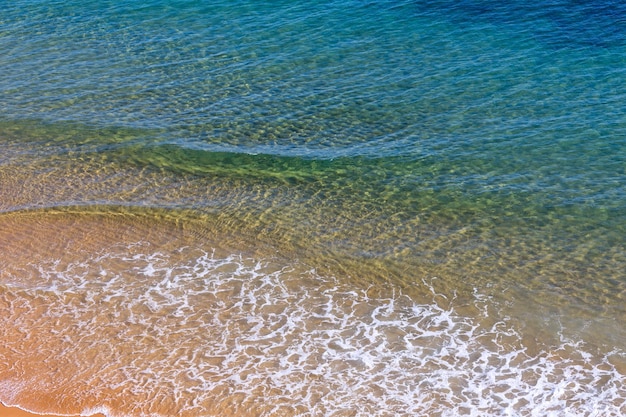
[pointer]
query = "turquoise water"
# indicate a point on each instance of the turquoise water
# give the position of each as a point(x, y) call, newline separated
point(467, 151)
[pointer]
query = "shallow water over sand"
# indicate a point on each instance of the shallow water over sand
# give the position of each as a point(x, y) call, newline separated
point(141, 314)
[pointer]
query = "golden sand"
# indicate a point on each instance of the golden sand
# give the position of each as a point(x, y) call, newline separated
point(16, 412)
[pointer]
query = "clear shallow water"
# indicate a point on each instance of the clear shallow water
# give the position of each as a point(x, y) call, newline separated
point(464, 161)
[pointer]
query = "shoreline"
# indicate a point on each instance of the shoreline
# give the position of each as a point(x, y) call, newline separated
point(6, 411)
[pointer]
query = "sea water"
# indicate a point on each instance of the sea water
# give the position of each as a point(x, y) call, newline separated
point(330, 208)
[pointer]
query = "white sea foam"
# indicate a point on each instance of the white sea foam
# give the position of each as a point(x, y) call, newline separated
point(196, 334)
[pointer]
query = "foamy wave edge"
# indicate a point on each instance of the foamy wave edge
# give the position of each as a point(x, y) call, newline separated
point(248, 337)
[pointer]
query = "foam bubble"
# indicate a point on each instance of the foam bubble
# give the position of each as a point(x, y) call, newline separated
point(194, 333)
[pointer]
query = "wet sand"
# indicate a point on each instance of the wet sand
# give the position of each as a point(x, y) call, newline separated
point(16, 412)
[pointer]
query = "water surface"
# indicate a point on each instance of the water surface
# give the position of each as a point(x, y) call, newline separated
point(330, 208)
